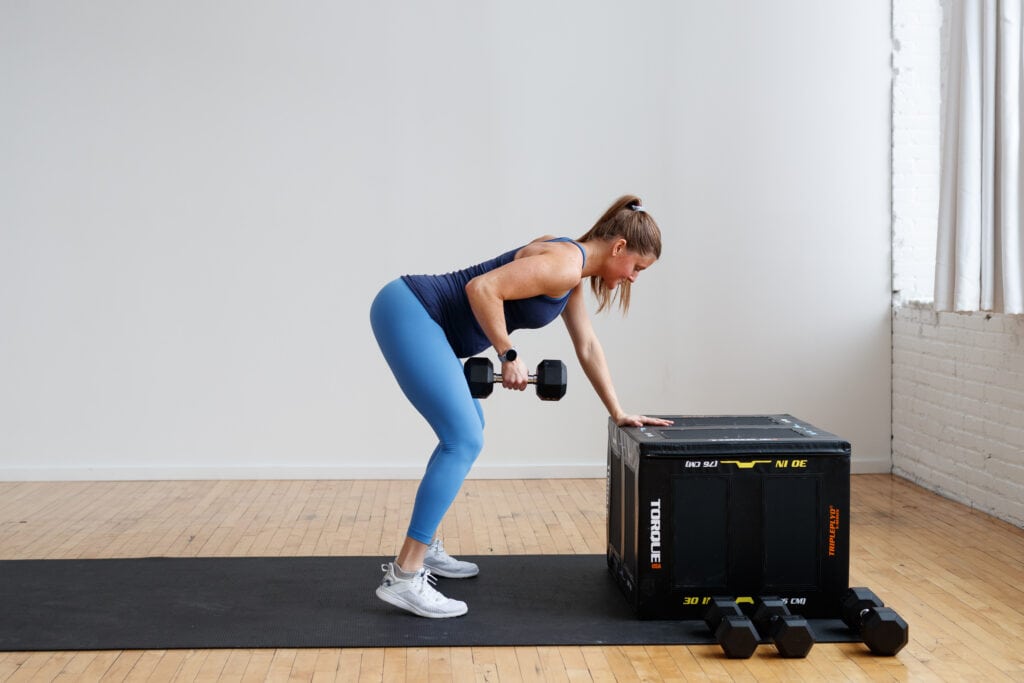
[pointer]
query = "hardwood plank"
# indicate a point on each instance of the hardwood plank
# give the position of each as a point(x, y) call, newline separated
point(258, 666)
point(99, 666)
point(332, 663)
point(281, 665)
point(507, 664)
point(417, 667)
point(462, 667)
point(168, 666)
point(485, 665)
point(303, 666)
point(213, 666)
point(394, 664)
point(28, 668)
point(528, 659)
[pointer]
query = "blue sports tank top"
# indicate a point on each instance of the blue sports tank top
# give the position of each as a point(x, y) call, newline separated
point(444, 297)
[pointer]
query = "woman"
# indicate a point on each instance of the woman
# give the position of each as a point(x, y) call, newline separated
point(425, 323)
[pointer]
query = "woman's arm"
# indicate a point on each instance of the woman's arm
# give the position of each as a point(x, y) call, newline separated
point(548, 269)
point(595, 367)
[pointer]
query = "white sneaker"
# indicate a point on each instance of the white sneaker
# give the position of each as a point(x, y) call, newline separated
point(417, 595)
point(441, 563)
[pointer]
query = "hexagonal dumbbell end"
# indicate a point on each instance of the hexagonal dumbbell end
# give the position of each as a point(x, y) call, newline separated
point(884, 631)
point(480, 376)
point(790, 633)
point(792, 636)
point(855, 605)
point(737, 636)
point(719, 609)
point(551, 380)
point(766, 608)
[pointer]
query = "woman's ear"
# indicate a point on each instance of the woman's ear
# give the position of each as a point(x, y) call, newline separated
point(619, 246)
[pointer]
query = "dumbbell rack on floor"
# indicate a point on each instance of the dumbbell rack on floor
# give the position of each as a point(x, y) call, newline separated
point(768, 620)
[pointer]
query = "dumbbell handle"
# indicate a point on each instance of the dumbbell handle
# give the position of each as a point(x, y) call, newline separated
point(498, 379)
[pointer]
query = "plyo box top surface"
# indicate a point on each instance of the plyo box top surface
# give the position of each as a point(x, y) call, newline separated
point(751, 434)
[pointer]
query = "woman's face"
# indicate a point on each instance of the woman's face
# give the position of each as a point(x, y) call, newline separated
point(625, 265)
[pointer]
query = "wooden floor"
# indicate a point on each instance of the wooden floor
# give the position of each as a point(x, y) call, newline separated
point(956, 575)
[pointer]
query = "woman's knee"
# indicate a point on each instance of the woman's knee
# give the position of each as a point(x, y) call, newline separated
point(450, 464)
point(463, 450)
point(466, 447)
point(475, 443)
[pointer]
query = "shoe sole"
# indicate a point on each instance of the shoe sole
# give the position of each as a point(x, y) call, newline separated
point(409, 607)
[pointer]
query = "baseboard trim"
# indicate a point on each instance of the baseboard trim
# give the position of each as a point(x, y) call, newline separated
point(871, 465)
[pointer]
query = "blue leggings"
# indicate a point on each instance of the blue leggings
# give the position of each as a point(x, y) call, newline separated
point(431, 377)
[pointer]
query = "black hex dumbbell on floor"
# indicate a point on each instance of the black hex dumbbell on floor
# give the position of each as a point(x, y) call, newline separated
point(790, 633)
point(882, 629)
point(550, 378)
point(733, 630)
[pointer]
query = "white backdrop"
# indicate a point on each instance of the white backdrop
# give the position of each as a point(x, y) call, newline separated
point(198, 202)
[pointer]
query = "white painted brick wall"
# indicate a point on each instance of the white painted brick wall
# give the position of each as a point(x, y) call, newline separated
point(958, 380)
point(958, 406)
point(916, 97)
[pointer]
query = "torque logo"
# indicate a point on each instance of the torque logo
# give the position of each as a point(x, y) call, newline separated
point(656, 534)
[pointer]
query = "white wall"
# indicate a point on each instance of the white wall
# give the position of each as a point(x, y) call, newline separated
point(916, 131)
point(199, 200)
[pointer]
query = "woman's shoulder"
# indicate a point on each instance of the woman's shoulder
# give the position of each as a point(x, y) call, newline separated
point(560, 255)
point(548, 244)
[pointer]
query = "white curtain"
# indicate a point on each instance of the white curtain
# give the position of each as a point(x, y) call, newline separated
point(980, 250)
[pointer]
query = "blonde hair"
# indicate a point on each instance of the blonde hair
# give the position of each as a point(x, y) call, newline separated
point(625, 218)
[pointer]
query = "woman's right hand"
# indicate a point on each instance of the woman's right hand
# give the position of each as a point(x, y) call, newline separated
point(514, 375)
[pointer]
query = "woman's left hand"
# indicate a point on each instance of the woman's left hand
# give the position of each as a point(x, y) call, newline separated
point(641, 420)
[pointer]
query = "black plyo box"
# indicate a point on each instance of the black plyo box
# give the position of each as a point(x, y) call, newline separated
point(736, 505)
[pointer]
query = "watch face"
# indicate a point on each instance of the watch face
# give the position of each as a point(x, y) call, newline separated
point(510, 355)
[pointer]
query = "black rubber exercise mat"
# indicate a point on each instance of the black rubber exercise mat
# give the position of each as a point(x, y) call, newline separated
point(298, 602)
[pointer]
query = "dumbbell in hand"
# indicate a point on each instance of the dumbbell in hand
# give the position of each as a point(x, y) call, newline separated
point(882, 629)
point(550, 378)
point(790, 633)
point(733, 630)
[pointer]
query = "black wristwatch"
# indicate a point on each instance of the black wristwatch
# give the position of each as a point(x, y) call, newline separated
point(508, 355)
